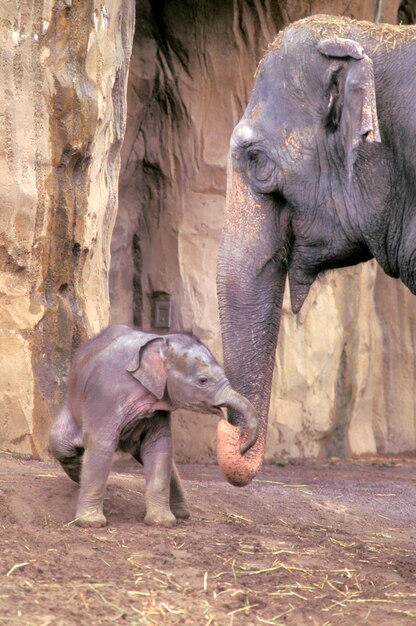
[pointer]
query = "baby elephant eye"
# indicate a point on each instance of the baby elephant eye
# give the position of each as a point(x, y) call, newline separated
point(202, 380)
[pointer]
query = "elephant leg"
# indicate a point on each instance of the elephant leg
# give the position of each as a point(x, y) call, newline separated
point(156, 455)
point(65, 443)
point(177, 499)
point(95, 470)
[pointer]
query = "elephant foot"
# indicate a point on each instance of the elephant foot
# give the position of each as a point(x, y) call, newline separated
point(180, 511)
point(165, 519)
point(91, 519)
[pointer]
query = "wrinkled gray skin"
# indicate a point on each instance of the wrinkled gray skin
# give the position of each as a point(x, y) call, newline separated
point(322, 175)
point(122, 386)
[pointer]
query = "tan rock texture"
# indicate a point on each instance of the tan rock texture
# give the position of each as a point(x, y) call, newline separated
point(63, 71)
point(345, 366)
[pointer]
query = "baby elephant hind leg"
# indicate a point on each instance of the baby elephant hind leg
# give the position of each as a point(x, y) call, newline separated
point(65, 443)
point(95, 470)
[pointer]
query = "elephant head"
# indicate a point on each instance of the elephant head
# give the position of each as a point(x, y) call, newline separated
point(309, 189)
point(181, 370)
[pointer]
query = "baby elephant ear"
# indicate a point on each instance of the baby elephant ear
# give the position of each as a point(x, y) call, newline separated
point(148, 367)
point(351, 96)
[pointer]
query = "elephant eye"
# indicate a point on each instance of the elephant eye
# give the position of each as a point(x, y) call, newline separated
point(259, 165)
point(202, 380)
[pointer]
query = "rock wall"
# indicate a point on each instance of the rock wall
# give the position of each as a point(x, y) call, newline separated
point(63, 71)
point(345, 368)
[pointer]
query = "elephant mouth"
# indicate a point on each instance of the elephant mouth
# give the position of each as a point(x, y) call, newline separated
point(204, 408)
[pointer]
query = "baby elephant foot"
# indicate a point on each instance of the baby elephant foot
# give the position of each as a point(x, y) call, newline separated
point(91, 519)
point(180, 510)
point(160, 518)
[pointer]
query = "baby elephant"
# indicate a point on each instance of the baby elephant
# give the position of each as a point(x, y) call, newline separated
point(122, 386)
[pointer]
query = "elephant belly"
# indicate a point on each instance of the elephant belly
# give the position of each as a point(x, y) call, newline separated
point(132, 435)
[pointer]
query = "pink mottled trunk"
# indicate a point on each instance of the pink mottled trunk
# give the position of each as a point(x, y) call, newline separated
point(239, 469)
point(251, 283)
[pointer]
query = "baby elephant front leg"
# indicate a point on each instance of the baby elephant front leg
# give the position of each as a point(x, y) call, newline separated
point(163, 488)
point(157, 471)
point(178, 504)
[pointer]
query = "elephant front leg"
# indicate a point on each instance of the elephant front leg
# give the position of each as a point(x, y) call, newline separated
point(177, 500)
point(95, 470)
point(156, 454)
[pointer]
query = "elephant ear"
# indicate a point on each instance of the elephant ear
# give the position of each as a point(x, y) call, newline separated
point(148, 367)
point(351, 96)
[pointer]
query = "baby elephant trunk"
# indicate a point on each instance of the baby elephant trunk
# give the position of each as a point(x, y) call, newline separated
point(230, 457)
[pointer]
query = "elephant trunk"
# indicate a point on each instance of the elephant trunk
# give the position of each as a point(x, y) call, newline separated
point(250, 281)
point(248, 429)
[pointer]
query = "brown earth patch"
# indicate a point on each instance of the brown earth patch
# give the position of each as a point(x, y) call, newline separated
point(321, 543)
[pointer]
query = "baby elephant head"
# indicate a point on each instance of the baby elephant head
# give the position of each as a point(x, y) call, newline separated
point(181, 369)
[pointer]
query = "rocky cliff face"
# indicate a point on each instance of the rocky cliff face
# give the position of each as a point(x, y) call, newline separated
point(63, 71)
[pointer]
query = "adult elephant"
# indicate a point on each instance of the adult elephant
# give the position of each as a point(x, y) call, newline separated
point(322, 175)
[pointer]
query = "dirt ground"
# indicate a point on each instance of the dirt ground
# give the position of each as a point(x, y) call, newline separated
point(324, 543)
